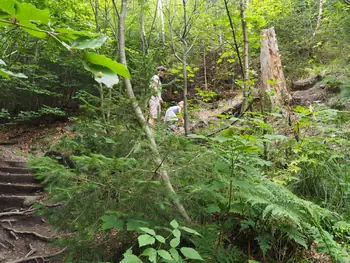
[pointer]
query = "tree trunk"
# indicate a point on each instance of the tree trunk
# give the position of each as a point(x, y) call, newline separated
point(96, 16)
point(184, 70)
point(319, 17)
point(141, 119)
point(160, 9)
point(142, 29)
point(272, 78)
point(246, 88)
point(205, 69)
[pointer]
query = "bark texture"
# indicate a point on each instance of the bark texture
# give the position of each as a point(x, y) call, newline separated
point(273, 81)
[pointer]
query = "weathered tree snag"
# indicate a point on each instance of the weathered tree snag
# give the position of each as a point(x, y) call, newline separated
point(272, 78)
point(141, 119)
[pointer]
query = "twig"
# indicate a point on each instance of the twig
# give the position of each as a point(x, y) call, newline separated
point(40, 236)
point(161, 163)
point(43, 258)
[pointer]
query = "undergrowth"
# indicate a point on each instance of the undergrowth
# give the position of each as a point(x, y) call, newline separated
point(257, 191)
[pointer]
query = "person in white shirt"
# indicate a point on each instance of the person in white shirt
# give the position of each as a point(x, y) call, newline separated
point(156, 98)
point(174, 113)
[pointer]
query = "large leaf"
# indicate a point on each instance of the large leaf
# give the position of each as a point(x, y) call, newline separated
point(175, 242)
point(70, 34)
point(130, 258)
point(190, 253)
point(7, 74)
point(103, 75)
point(174, 254)
point(135, 224)
point(8, 6)
point(117, 68)
point(164, 254)
point(32, 29)
point(190, 230)
point(84, 42)
point(145, 240)
point(148, 230)
point(151, 253)
point(28, 12)
point(111, 221)
point(174, 224)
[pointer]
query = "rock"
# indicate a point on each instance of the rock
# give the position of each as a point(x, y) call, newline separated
point(307, 97)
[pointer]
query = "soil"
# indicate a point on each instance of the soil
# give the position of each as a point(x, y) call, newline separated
point(25, 236)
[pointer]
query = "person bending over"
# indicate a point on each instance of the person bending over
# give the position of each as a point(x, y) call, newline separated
point(174, 113)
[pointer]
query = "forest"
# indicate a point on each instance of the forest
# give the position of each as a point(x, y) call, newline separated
point(253, 167)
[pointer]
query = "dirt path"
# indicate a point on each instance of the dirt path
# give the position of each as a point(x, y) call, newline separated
point(24, 235)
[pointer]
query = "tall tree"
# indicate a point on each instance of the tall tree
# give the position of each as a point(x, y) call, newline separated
point(141, 119)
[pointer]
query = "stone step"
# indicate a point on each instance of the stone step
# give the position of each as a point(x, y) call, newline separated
point(23, 189)
point(15, 170)
point(17, 164)
point(16, 201)
point(17, 178)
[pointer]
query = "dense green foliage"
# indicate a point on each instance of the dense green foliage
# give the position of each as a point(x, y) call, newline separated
point(261, 190)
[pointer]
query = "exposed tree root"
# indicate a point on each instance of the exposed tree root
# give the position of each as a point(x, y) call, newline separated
point(37, 258)
point(17, 213)
point(44, 238)
point(31, 252)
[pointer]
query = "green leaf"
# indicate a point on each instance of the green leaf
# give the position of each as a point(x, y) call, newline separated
point(174, 224)
point(177, 233)
point(2, 62)
point(70, 34)
point(151, 253)
point(111, 221)
point(130, 258)
point(213, 208)
point(117, 68)
point(160, 239)
point(148, 230)
point(190, 230)
point(32, 29)
point(84, 42)
point(135, 224)
point(103, 75)
point(164, 254)
point(253, 261)
point(174, 254)
point(190, 253)
point(8, 6)
point(175, 242)
point(6, 74)
point(4, 15)
point(28, 12)
point(145, 240)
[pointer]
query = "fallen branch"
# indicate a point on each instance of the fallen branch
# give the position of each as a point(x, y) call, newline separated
point(40, 236)
point(43, 258)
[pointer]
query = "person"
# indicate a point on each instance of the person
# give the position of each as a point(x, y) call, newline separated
point(174, 113)
point(156, 98)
